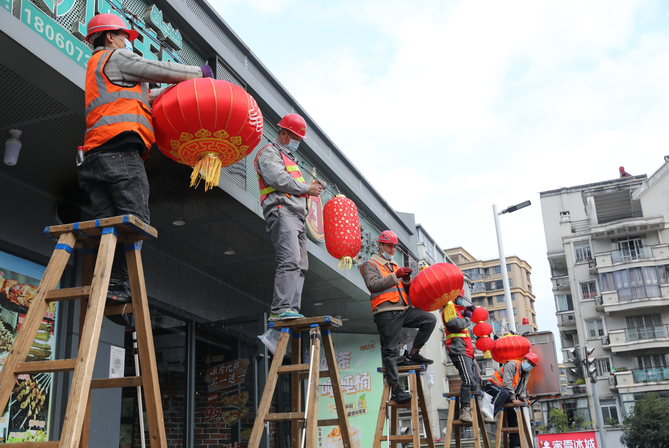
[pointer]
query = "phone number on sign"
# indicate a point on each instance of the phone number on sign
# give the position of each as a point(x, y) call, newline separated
point(55, 34)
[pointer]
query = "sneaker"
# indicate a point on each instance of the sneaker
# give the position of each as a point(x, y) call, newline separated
point(119, 291)
point(399, 395)
point(488, 419)
point(466, 415)
point(402, 361)
point(286, 315)
point(417, 358)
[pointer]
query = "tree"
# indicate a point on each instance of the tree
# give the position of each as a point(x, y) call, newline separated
point(557, 420)
point(647, 426)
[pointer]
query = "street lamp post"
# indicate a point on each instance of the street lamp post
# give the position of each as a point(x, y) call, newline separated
point(502, 260)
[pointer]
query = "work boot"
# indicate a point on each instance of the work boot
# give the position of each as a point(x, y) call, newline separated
point(488, 419)
point(466, 415)
point(119, 290)
point(399, 395)
point(417, 359)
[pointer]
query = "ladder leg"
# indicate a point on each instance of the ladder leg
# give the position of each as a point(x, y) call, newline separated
point(87, 271)
point(86, 429)
point(500, 425)
point(479, 417)
point(475, 422)
point(81, 381)
point(270, 385)
point(505, 435)
point(337, 391)
point(295, 388)
point(36, 311)
point(452, 403)
point(528, 432)
point(414, 408)
point(522, 435)
point(381, 420)
point(312, 395)
point(394, 425)
point(145, 347)
point(423, 412)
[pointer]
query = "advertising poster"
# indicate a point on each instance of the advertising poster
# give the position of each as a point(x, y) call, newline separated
point(26, 418)
point(584, 439)
point(228, 395)
point(358, 357)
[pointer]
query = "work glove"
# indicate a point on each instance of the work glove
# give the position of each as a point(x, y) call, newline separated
point(467, 313)
point(206, 72)
point(404, 273)
point(471, 308)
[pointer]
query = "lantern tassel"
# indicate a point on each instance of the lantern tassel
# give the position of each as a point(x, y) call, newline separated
point(345, 263)
point(208, 167)
point(449, 311)
point(487, 354)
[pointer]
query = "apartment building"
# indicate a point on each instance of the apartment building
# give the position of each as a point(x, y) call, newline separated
point(609, 258)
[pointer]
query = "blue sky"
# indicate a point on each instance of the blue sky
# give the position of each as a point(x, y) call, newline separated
point(457, 105)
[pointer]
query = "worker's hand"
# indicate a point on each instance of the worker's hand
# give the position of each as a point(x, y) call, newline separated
point(471, 308)
point(207, 72)
point(404, 273)
point(466, 313)
point(315, 188)
point(528, 403)
point(517, 403)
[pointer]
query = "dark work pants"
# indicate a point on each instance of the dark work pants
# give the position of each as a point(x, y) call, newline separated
point(501, 396)
point(117, 184)
point(469, 376)
point(389, 324)
point(288, 235)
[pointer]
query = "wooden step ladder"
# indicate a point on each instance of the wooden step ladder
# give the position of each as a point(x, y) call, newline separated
point(453, 424)
point(292, 330)
point(416, 403)
point(503, 429)
point(98, 236)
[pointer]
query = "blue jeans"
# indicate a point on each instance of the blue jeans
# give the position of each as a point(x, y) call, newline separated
point(117, 184)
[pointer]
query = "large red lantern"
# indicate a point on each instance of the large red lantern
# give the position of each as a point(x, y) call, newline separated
point(480, 314)
point(436, 286)
point(482, 329)
point(510, 347)
point(207, 124)
point(342, 230)
point(485, 344)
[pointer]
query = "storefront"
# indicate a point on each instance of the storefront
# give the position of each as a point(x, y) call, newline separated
point(209, 274)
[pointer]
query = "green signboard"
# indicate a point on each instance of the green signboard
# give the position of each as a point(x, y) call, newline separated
point(358, 357)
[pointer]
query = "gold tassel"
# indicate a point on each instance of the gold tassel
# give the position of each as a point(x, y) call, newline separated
point(487, 354)
point(449, 311)
point(208, 167)
point(345, 263)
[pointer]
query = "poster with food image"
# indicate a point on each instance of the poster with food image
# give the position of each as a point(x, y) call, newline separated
point(26, 418)
point(227, 393)
point(358, 357)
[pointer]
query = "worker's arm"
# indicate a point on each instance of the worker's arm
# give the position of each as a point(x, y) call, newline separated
point(126, 66)
point(459, 322)
point(373, 280)
point(274, 174)
point(509, 373)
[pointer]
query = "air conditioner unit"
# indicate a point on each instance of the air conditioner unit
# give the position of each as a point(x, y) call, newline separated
point(570, 317)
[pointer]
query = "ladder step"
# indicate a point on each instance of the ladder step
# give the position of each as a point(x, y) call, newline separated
point(124, 224)
point(294, 368)
point(324, 322)
point(109, 383)
point(58, 365)
point(113, 310)
point(52, 444)
point(78, 292)
point(399, 405)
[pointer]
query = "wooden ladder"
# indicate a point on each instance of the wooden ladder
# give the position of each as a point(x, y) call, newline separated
point(97, 236)
point(503, 429)
point(292, 330)
point(454, 422)
point(417, 403)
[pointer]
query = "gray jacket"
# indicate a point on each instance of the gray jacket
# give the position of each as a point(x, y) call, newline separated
point(458, 346)
point(270, 167)
point(520, 392)
point(375, 283)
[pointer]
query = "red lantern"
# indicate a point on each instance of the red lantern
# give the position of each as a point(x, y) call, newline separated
point(435, 286)
point(480, 314)
point(485, 343)
point(207, 124)
point(482, 329)
point(342, 230)
point(510, 347)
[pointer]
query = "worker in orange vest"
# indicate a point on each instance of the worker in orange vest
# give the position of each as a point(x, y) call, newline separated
point(509, 383)
point(284, 198)
point(119, 131)
point(389, 288)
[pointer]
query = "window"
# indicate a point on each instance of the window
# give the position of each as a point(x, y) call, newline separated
point(650, 361)
point(595, 328)
point(609, 411)
point(489, 301)
point(513, 296)
point(500, 299)
point(603, 366)
point(645, 327)
point(515, 312)
point(628, 249)
point(486, 271)
point(501, 313)
point(478, 287)
point(496, 269)
point(589, 290)
point(635, 283)
point(582, 252)
point(564, 302)
point(474, 274)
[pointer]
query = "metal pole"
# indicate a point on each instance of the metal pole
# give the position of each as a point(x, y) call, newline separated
point(505, 277)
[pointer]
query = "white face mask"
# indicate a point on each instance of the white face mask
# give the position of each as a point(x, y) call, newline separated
point(128, 44)
point(385, 255)
point(293, 144)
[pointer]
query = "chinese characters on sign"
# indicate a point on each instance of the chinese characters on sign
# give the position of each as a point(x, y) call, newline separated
point(585, 439)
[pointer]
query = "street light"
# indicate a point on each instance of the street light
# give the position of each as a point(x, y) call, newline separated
point(502, 260)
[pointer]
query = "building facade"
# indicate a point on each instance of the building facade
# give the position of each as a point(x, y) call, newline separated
point(606, 246)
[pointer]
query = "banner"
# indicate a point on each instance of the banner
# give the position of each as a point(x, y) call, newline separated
point(358, 357)
point(585, 439)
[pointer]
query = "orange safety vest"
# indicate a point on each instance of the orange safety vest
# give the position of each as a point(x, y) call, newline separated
point(498, 377)
point(291, 168)
point(112, 109)
point(391, 294)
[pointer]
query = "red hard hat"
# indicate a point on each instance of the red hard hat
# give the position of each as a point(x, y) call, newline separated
point(532, 357)
point(388, 237)
point(108, 22)
point(462, 292)
point(622, 168)
point(295, 124)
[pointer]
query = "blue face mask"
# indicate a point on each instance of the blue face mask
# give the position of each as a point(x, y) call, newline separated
point(293, 144)
point(385, 255)
point(128, 44)
point(526, 366)
point(459, 302)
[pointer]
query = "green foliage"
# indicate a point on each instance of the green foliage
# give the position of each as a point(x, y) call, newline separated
point(579, 381)
point(557, 421)
point(647, 426)
point(612, 422)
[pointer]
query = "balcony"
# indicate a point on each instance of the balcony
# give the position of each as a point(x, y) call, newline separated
point(560, 283)
point(626, 224)
point(642, 380)
point(615, 258)
point(566, 321)
point(653, 339)
point(648, 298)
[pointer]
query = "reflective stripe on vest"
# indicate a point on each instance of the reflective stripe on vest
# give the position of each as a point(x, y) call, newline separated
point(457, 335)
point(498, 377)
point(291, 168)
point(112, 109)
point(391, 294)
